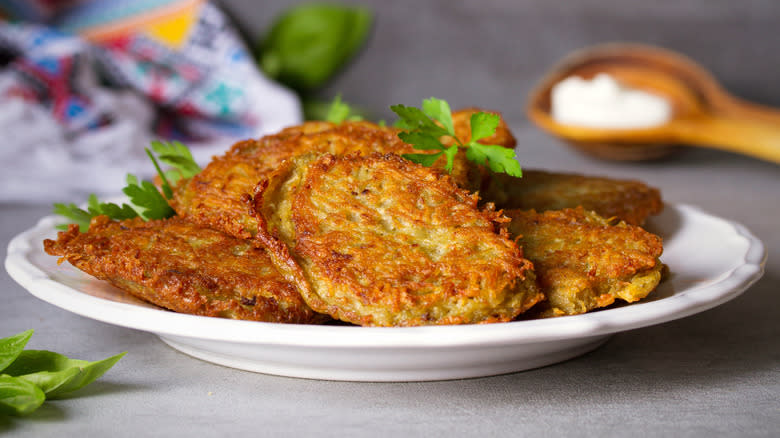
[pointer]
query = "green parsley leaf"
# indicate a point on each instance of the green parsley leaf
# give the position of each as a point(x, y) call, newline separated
point(426, 160)
point(166, 185)
point(94, 208)
point(450, 152)
point(338, 111)
point(401, 124)
point(415, 119)
point(177, 156)
point(422, 131)
point(145, 196)
point(483, 125)
point(421, 140)
point(498, 158)
point(145, 200)
point(110, 209)
point(438, 109)
point(74, 213)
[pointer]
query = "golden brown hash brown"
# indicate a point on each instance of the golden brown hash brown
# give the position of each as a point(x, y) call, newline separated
point(184, 268)
point(629, 201)
point(583, 262)
point(378, 240)
point(213, 198)
point(326, 219)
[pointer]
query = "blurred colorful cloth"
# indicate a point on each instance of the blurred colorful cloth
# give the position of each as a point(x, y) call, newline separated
point(85, 85)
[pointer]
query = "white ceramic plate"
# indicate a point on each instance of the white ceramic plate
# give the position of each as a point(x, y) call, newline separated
point(712, 261)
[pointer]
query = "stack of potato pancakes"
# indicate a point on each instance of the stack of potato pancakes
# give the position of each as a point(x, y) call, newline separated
point(325, 221)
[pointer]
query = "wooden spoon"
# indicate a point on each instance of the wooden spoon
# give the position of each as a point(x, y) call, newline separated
point(704, 114)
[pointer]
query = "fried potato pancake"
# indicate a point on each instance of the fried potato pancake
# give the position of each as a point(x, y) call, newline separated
point(380, 241)
point(184, 268)
point(629, 201)
point(583, 261)
point(215, 197)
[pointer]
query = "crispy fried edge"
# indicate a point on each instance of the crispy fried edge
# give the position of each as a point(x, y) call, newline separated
point(645, 200)
point(598, 300)
point(139, 287)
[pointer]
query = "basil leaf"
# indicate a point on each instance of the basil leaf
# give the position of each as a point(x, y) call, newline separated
point(12, 346)
point(57, 374)
point(19, 397)
point(309, 43)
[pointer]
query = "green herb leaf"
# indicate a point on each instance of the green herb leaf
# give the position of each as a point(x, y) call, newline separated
point(145, 196)
point(438, 109)
point(166, 185)
point(11, 347)
point(109, 209)
point(401, 124)
point(483, 125)
point(177, 156)
point(309, 43)
point(57, 374)
point(94, 208)
point(450, 152)
point(421, 140)
point(415, 119)
point(340, 111)
point(426, 160)
point(422, 132)
point(145, 200)
point(499, 159)
point(74, 214)
point(19, 397)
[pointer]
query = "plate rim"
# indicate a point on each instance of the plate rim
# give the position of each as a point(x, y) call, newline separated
point(609, 321)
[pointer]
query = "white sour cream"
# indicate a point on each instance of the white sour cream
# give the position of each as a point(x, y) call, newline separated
point(605, 103)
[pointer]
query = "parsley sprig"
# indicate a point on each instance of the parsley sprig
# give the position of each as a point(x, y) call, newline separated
point(338, 111)
point(178, 157)
point(422, 131)
point(146, 201)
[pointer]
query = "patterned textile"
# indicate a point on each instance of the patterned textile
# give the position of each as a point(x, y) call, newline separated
point(168, 68)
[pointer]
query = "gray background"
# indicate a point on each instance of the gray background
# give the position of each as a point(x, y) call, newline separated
point(715, 373)
point(490, 53)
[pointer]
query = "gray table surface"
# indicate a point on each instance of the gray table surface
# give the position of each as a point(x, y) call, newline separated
point(714, 373)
